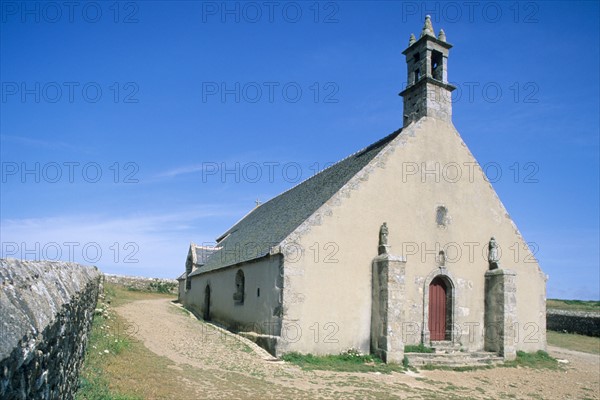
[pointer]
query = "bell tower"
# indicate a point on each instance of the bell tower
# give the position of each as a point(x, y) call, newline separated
point(427, 92)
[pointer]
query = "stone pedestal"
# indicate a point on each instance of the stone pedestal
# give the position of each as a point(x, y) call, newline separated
point(383, 249)
point(387, 308)
point(501, 312)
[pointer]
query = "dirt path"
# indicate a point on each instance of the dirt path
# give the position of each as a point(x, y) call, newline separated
point(217, 365)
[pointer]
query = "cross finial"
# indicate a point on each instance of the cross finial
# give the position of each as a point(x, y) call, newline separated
point(257, 201)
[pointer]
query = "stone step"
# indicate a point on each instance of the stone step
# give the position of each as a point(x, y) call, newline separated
point(445, 346)
point(460, 359)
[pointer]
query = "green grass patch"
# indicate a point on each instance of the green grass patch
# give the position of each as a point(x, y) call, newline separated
point(95, 387)
point(112, 350)
point(573, 305)
point(105, 343)
point(573, 341)
point(420, 348)
point(119, 295)
point(110, 291)
point(350, 361)
point(537, 360)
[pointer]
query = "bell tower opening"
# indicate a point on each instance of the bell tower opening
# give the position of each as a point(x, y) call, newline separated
point(437, 65)
point(428, 93)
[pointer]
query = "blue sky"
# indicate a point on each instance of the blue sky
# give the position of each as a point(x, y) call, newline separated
point(146, 125)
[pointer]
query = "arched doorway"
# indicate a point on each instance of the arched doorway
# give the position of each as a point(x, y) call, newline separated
point(206, 315)
point(439, 306)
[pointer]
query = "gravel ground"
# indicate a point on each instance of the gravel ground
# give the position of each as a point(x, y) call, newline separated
point(215, 364)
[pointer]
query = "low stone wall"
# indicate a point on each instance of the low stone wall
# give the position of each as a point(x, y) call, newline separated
point(144, 284)
point(584, 323)
point(46, 312)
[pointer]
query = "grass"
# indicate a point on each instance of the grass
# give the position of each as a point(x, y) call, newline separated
point(420, 348)
point(137, 373)
point(572, 341)
point(537, 360)
point(94, 383)
point(104, 344)
point(120, 295)
point(109, 353)
point(350, 361)
point(129, 371)
point(573, 305)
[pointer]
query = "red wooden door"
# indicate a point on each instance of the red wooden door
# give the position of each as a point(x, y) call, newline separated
point(437, 309)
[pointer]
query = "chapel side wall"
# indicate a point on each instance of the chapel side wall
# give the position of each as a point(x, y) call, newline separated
point(260, 314)
point(339, 293)
point(181, 290)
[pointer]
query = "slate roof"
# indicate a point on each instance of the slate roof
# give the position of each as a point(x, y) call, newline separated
point(203, 253)
point(268, 224)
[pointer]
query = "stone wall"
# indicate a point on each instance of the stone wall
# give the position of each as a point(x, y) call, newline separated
point(143, 284)
point(46, 311)
point(584, 323)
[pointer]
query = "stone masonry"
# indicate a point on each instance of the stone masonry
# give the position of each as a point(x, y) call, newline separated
point(500, 312)
point(143, 284)
point(388, 301)
point(46, 311)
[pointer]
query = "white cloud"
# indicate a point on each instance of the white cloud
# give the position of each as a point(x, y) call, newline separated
point(46, 144)
point(189, 169)
point(142, 244)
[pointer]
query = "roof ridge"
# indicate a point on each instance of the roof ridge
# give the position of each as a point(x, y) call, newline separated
point(375, 159)
point(364, 149)
point(273, 221)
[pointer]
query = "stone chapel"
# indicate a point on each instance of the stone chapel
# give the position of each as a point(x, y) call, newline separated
point(381, 250)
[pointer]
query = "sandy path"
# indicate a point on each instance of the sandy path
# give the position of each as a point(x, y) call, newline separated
point(222, 366)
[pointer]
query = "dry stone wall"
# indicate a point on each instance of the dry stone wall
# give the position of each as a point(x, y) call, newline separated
point(46, 311)
point(144, 284)
point(581, 322)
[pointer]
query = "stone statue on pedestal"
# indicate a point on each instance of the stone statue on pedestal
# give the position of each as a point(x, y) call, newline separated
point(493, 258)
point(383, 239)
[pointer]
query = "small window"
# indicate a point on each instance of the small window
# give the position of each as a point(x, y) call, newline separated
point(257, 292)
point(417, 75)
point(440, 216)
point(240, 283)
